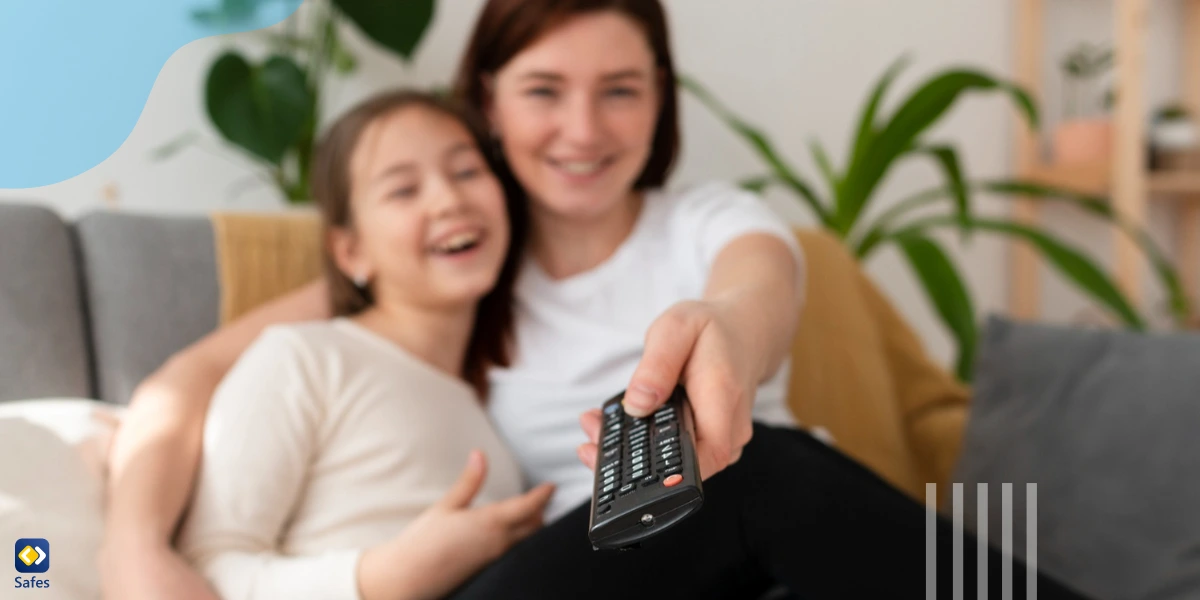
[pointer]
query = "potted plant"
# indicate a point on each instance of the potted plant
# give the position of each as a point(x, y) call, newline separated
point(1085, 136)
point(269, 109)
point(880, 142)
point(1174, 139)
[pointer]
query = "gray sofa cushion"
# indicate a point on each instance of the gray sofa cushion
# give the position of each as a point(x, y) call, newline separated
point(1108, 426)
point(152, 289)
point(43, 336)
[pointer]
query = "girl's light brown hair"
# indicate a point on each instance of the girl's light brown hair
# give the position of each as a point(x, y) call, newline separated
point(506, 27)
point(491, 341)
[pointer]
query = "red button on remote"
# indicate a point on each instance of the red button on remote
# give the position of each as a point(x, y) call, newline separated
point(673, 480)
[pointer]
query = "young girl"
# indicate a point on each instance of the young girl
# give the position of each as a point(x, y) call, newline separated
point(331, 448)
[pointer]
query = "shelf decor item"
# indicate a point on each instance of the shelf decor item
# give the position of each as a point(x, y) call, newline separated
point(1085, 136)
point(1175, 140)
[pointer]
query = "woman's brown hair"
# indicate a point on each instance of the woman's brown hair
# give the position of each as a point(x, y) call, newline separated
point(491, 339)
point(506, 27)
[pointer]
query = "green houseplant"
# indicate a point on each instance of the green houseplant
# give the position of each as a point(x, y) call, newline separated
point(269, 109)
point(879, 143)
point(1085, 135)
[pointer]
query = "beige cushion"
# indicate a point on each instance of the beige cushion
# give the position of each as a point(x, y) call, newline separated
point(51, 486)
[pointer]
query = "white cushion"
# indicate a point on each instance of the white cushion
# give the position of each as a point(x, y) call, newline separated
point(52, 485)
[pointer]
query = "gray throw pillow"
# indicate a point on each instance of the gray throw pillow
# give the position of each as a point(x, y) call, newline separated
point(1107, 424)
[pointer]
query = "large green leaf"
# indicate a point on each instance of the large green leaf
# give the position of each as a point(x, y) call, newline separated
point(945, 289)
point(1164, 269)
point(1071, 263)
point(398, 25)
point(947, 160)
point(260, 108)
point(915, 115)
point(825, 166)
point(759, 142)
point(866, 123)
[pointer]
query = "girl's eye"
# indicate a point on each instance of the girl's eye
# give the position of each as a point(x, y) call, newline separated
point(403, 193)
point(540, 92)
point(465, 174)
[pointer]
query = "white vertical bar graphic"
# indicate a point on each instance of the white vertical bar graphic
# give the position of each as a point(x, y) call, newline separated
point(1006, 541)
point(981, 530)
point(1031, 541)
point(958, 541)
point(930, 541)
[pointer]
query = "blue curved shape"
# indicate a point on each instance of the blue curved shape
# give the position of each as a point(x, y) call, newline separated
point(75, 74)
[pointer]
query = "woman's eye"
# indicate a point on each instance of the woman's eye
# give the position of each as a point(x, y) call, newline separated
point(621, 92)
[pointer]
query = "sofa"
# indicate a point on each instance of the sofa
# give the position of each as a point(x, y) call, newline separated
point(1101, 421)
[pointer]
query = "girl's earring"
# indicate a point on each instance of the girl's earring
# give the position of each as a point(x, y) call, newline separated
point(360, 281)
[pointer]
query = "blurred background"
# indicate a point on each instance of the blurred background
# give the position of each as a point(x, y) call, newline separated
point(798, 71)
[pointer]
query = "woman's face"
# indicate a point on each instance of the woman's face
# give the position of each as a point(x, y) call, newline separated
point(430, 225)
point(576, 113)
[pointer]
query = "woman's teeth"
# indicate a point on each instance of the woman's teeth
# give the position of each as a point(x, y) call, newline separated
point(458, 243)
point(581, 168)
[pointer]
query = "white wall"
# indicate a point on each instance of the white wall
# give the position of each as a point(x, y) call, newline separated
point(799, 68)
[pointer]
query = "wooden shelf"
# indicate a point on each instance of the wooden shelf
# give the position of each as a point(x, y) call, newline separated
point(1185, 183)
point(1086, 179)
point(1097, 180)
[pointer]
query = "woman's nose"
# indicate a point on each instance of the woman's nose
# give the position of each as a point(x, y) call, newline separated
point(582, 121)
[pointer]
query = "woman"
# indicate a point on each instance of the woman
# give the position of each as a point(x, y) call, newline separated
point(624, 285)
point(331, 447)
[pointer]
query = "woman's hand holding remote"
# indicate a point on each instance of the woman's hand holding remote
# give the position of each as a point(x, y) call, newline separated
point(450, 541)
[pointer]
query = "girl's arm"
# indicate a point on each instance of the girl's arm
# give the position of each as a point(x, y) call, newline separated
point(156, 451)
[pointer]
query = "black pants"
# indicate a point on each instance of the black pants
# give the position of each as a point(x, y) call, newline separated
point(792, 511)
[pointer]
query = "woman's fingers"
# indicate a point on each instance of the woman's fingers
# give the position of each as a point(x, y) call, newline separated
point(587, 454)
point(590, 422)
point(669, 343)
point(468, 484)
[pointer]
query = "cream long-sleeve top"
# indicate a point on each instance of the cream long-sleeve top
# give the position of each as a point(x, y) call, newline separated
point(324, 440)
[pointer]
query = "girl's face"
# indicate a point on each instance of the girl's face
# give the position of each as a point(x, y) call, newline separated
point(576, 113)
point(430, 226)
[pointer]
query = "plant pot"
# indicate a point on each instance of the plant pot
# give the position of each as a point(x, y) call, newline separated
point(1177, 134)
point(1080, 142)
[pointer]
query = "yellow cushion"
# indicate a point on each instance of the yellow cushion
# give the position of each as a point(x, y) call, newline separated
point(859, 371)
point(263, 256)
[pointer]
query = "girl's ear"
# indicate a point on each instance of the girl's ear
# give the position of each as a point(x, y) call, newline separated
point(348, 256)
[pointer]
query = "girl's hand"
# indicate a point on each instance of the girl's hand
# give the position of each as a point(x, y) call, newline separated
point(450, 541)
point(694, 344)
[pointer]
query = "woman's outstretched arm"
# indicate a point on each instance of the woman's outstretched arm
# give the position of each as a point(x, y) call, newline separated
point(155, 454)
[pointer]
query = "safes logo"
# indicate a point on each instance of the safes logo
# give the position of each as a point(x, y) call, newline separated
point(31, 555)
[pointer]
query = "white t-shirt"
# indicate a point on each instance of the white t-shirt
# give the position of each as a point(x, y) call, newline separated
point(326, 439)
point(579, 339)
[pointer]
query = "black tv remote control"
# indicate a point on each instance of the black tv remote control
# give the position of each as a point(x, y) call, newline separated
point(647, 478)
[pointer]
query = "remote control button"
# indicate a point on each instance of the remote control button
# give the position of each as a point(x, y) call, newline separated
point(637, 445)
point(608, 488)
point(638, 473)
point(625, 489)
point(611, 452)
point(604, 509)
point(673, 470)
point(637, 453)
point(667, 454)
point(665, 441)
point(648, 481)
point(673, 480)
point(612, 408)
point(615, 427)
point(670, 462)
point(668, 429)
point(609, 479)
point(605, 499)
